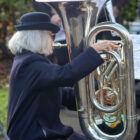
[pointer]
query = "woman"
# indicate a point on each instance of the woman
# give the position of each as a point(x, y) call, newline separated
point(34, 99)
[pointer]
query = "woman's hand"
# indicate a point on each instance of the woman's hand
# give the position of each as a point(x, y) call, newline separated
point(105, 46)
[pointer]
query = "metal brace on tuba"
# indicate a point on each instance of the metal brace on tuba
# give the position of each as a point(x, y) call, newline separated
point(111, 104)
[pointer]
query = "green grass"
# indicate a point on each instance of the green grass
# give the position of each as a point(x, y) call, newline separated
point(3, 106)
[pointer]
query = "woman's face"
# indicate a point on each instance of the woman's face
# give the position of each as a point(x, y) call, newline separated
point(52, 36)
point(50, 42)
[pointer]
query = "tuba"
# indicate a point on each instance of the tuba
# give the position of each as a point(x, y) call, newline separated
point(110, 104)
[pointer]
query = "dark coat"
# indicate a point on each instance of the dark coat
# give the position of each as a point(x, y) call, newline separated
point(34, 99)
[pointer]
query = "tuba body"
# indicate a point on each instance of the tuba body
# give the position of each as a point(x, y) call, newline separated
point(112, 103)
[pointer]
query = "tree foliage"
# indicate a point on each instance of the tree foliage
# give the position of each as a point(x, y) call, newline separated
point(129, 13)
point(10, 12)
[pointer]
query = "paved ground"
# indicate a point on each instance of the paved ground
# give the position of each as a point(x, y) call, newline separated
point(70, 118)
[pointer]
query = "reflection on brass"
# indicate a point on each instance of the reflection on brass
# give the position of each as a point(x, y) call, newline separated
point(115, 96)
point(113, 101)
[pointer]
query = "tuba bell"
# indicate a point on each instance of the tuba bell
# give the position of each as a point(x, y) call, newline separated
point(112, 102)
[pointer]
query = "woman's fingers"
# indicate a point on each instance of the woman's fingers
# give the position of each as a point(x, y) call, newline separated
point(105, 46)
point(112, 47)
point(114, 44)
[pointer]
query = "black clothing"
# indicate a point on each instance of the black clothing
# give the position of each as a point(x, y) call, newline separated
point(34, 99)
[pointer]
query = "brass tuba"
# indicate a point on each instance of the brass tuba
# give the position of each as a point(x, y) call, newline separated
point(112, 103)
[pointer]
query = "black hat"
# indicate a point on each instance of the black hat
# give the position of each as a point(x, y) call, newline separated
point(36, 21)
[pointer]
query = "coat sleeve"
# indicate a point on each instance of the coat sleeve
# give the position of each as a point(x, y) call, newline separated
point(68, 98)
point(53, 75)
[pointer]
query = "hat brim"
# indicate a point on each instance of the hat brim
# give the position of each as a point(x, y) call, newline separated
point(41, 26)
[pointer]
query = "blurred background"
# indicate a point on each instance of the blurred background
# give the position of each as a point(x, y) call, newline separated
point(10, 12)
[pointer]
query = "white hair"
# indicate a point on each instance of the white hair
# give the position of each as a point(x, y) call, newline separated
point(36, 41)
